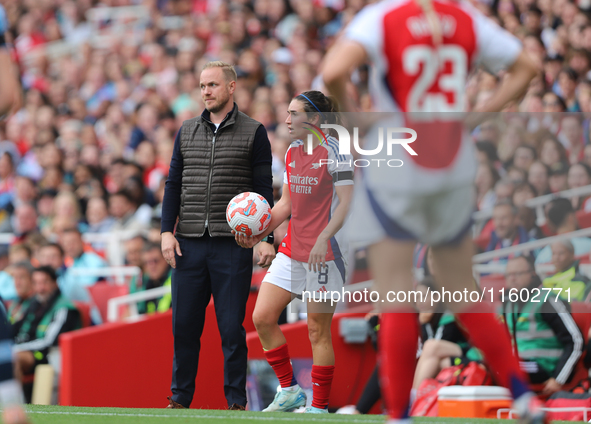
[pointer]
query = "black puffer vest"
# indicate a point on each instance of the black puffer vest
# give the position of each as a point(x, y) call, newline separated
point(216, 167)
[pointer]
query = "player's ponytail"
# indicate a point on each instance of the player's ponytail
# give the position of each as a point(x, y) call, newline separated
point(432, 20)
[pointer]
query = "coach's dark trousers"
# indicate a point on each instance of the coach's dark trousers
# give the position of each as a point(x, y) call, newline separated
point(210, 266)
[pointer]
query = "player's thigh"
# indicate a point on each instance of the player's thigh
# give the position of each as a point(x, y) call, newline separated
point(277, 289)
point(390, 262)
point(271, 301)
point(442, 348)
point(454, 264)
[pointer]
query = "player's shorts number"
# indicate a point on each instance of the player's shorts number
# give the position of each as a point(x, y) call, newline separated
point(323, 275)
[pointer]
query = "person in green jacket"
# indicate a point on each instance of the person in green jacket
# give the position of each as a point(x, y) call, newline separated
point(49, 315)
point(156, 273)
point(545, 335)
point(574, 286)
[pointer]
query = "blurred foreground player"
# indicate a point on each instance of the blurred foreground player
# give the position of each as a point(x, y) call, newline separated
point(11, 395)
point(422, 53)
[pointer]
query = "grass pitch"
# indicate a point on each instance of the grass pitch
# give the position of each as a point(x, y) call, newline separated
point(75, 415)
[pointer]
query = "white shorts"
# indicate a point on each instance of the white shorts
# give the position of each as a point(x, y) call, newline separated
point(437, 218)
point(294, 276)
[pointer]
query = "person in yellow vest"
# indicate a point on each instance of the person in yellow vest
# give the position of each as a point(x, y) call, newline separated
point(545, 335)
point(574, 286)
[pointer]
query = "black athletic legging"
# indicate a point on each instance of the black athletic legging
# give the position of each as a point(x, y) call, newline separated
point(371, 393)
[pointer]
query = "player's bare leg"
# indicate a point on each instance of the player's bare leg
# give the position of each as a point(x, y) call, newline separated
point(390, 262)
point(454, 263)
point(319, 322)
point(271, 301)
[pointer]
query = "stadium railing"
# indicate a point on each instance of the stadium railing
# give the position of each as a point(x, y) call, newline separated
point(131, 300)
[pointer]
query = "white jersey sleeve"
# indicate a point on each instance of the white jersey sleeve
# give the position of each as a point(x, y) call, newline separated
point(366, 28)
point(497, 48)
point(340, 167)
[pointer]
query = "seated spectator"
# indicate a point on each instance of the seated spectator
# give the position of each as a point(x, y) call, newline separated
point(558, 177)
point(538, 176)
point(562, 219)
point(123, 208)
point(134, 247)
point(444, 344)
point(567, 275)
point(486, 178)
point(23, 284)
point(504, 189)
point(156, 274)
point(579, 175)
point(548, 340)
point(16, 254)
point(507, 232)
point(99, 221)
point(523, 192)
point(74, 286)
point(49, 315)
point(526, 217)
point(25, 224)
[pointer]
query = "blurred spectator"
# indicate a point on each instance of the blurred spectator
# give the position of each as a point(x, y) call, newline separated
point(49, 315)
point(156, 274)
point(122, 207)
point(523, 192)
point(99, 221)
point(23, 283)
point(73, 285)
point(538, 176)
point(526, 217)
point(7, 178)
point(567, 275)
point(562, 219)
point(558, 180)
point(133, 251)
point(17, 253)
point(524, 156)
point(25, 222)
point(579, 175)
point(538, 328)
point(507, 232)
point(571, 135)
point(552, 152)
point(486, 178)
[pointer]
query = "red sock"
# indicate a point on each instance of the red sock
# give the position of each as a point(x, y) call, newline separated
point(279, 360)
point(489, 335)
point(398, 341)
point(321, 382)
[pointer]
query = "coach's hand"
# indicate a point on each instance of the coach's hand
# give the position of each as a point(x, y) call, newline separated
point(266, 253)
point(170, 245)
point(317, 259)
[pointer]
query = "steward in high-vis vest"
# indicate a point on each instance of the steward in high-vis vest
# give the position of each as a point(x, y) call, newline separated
point(545, 335)
point(49, 315)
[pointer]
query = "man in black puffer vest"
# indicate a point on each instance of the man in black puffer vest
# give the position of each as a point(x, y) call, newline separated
point(216, 156)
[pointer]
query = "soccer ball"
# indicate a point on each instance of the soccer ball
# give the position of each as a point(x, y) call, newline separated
point(248, 213)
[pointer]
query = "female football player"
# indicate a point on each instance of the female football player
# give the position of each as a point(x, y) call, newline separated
point(317, 189)
point(422, 52)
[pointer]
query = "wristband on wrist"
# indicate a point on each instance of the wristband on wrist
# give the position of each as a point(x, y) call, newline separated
point(269, 239)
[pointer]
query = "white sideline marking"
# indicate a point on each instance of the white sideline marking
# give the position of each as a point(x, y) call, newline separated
point(330, 417)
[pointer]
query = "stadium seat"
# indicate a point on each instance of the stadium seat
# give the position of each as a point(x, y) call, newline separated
point(101, 292)
point(84, 309)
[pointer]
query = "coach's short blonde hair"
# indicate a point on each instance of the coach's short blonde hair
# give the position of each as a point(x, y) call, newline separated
point(229, 71)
